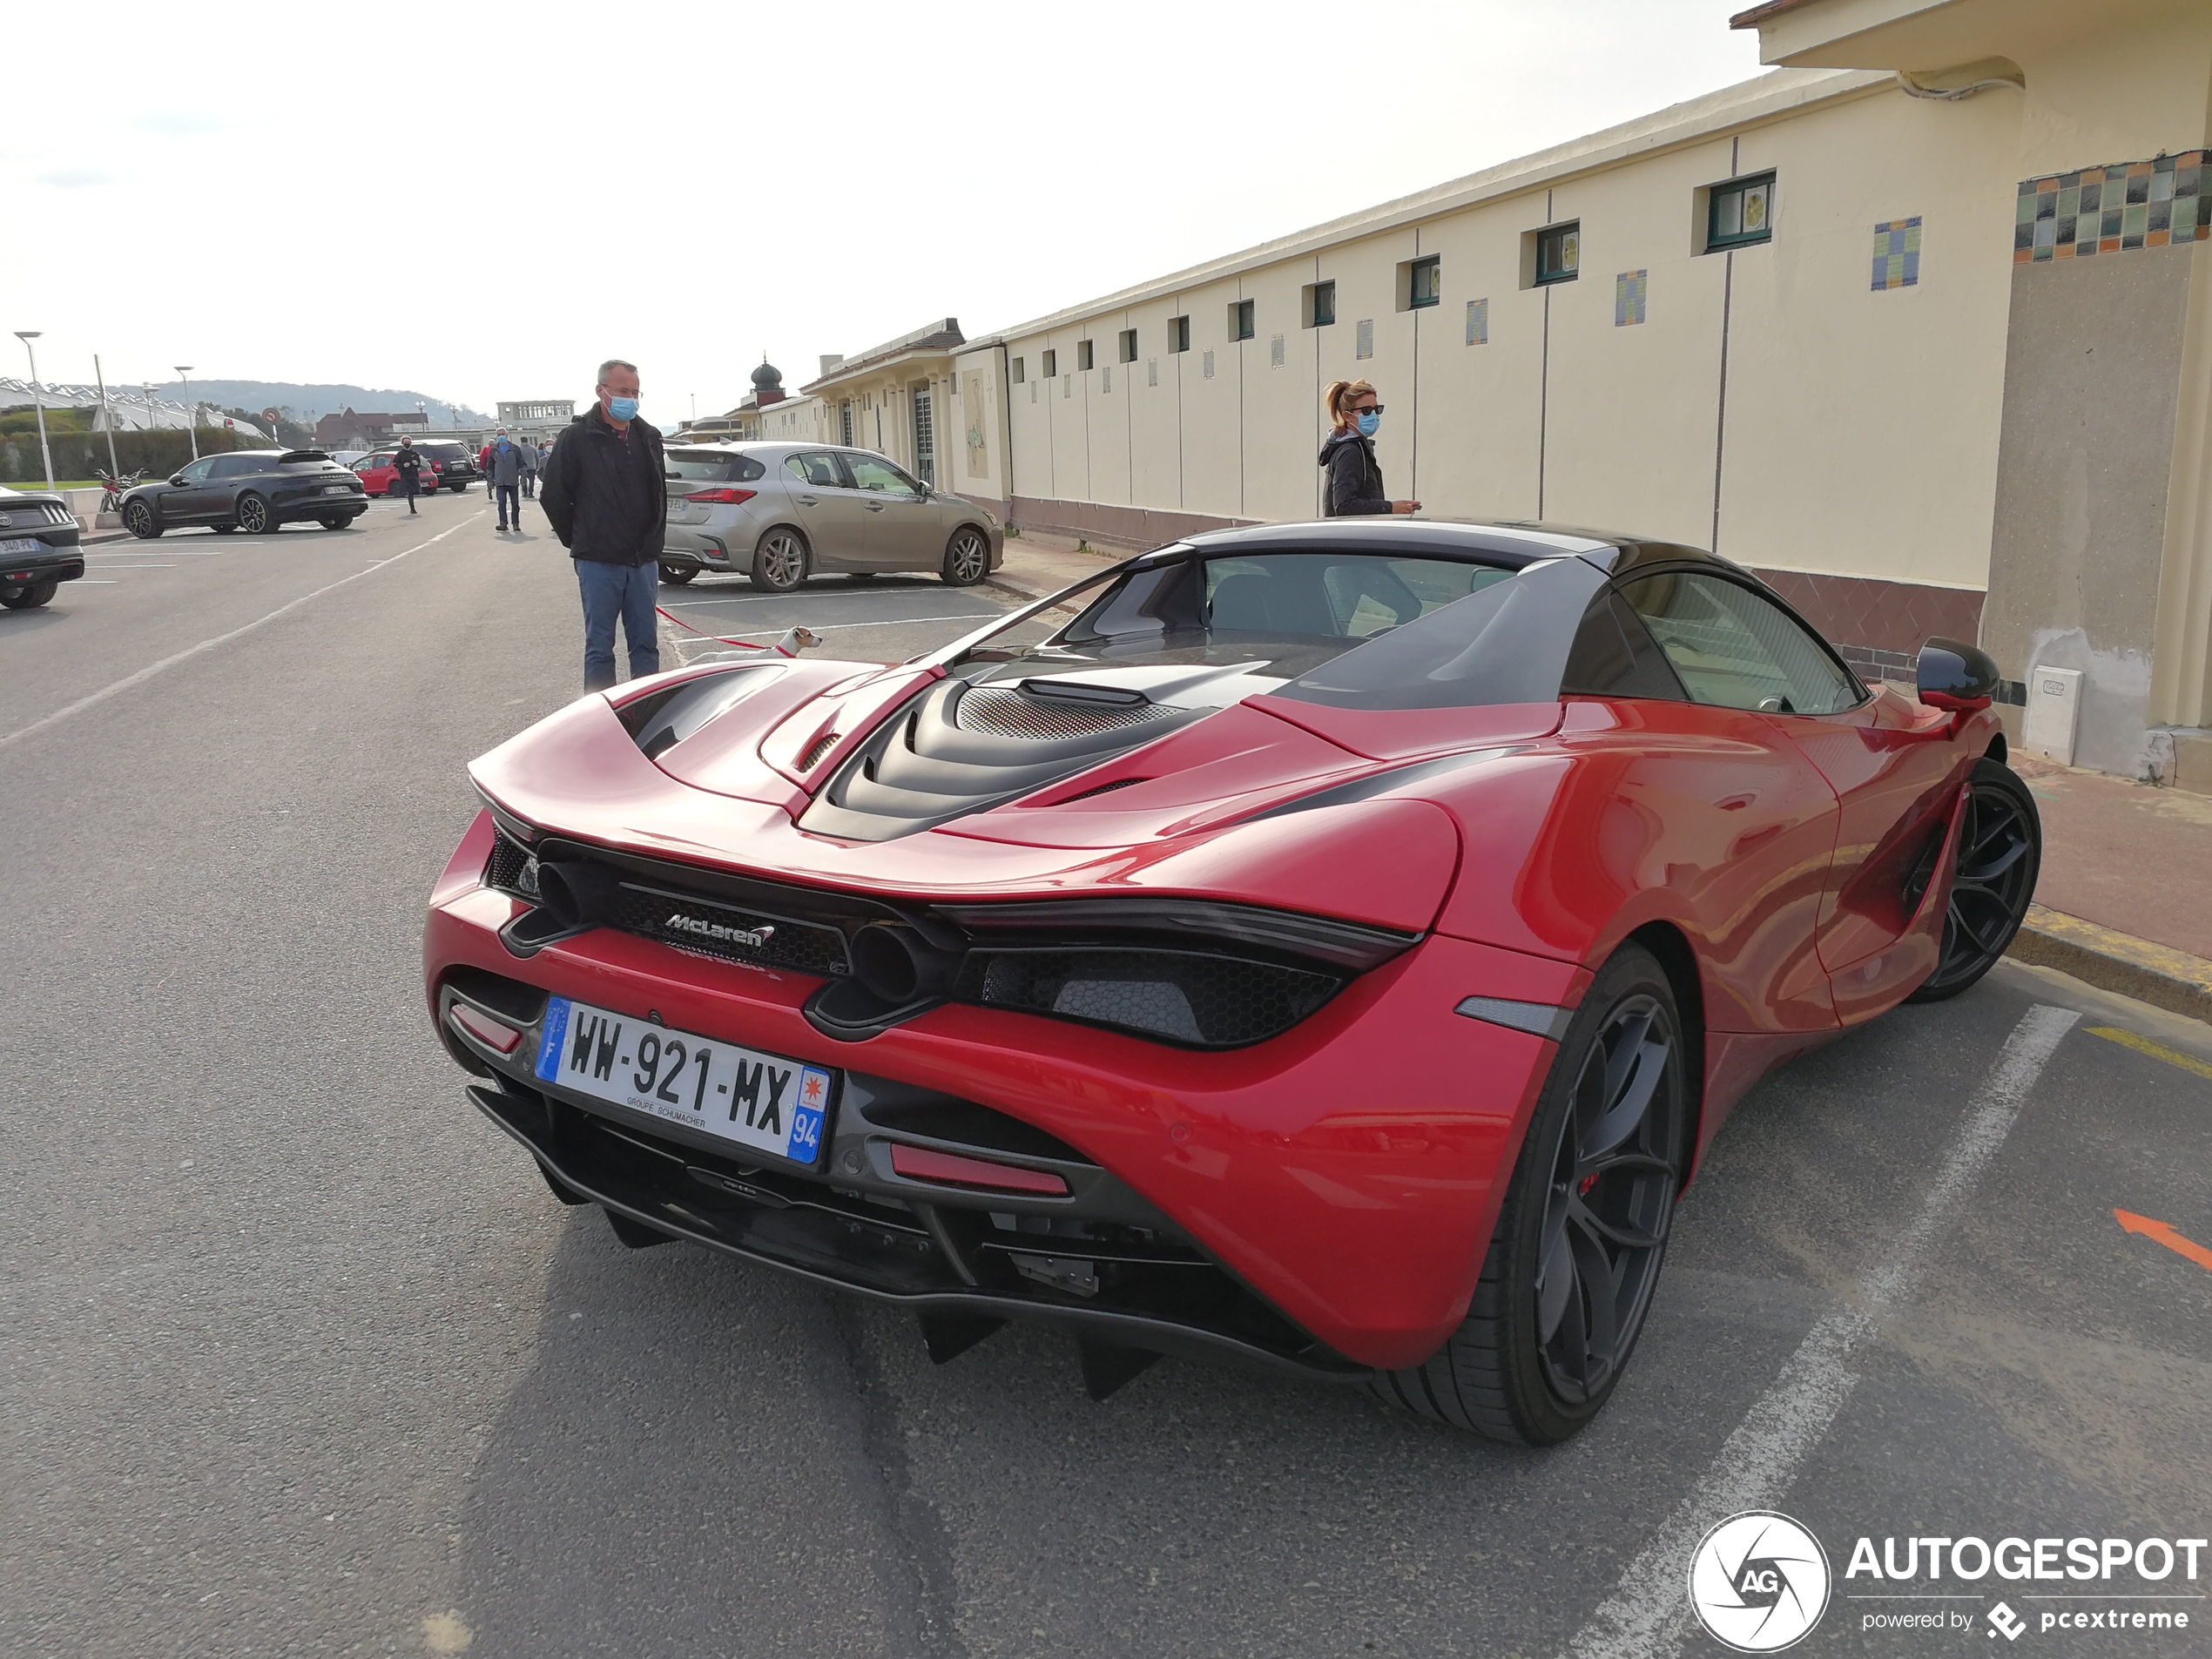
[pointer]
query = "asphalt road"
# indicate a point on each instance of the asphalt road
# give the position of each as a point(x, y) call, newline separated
point(298, 1356)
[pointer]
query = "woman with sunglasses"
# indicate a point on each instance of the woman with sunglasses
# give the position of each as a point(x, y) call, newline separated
point(1355, 482)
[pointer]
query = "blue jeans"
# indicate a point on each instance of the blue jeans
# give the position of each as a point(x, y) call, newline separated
point(627, 591)
point(510, 505)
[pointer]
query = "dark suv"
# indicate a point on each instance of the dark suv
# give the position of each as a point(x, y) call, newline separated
point(38, 547)
point(256, 491)
point(446, 461)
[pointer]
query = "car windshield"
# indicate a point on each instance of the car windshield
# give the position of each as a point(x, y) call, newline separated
point(1356, 629)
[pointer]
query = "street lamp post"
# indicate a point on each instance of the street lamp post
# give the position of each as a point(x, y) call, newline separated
point(114, 467)
point(192, 414)
point(38, 398)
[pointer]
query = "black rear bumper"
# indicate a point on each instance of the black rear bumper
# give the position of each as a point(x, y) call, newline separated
point(938, 1260)
point(21, 570)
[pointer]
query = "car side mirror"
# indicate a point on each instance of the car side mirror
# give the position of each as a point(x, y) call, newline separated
point(1954, 675)
point(179, 479)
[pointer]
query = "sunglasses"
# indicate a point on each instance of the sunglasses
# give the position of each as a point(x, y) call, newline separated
point(1373, 408)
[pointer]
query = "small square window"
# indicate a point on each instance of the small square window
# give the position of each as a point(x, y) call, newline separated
point(1320, 304)
point(1739, 214)
point(1240, 319)
point(1129, 344)
point(1020, 374)
point(1179, 334)
point(1083, 353)
point(1559, 253)
point(1051, 364)
point(1424, 282)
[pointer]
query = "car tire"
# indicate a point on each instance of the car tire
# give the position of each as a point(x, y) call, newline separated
point(138, 519)
point(30, 596)
point(335, 521)
point(252, 515)
point(678, 576)
point(1590, 1201)
point(2001, 855)
point(968, 557)
point(779, 562)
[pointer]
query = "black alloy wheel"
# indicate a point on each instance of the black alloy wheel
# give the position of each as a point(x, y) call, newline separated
point(254, 517)
point(968, 557)
point(30, 596)
point(2001, 853)
point(1581, 1235)
point(779, 563)
point(138, 519)
point(678, 576)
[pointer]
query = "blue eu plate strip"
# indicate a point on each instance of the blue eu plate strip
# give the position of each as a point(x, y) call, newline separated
point(805, 1142)
point(557, 1032)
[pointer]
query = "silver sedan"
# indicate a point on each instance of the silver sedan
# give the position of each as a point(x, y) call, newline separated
point(781, 512)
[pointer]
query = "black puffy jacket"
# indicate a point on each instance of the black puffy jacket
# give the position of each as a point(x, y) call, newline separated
point(603, 494)
point(1354, 484)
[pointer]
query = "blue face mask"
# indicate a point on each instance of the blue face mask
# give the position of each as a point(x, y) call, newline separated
point(1368, 421)
point(623, 409)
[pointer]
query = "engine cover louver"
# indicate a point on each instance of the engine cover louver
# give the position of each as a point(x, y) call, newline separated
point(938, 760)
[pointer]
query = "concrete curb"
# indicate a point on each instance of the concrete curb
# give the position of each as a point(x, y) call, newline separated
point(2157, 974)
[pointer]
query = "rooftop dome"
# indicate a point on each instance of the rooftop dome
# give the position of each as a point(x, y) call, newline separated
point(767, 375)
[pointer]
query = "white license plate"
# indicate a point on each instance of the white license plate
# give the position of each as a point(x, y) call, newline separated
point(762, 1102)
point(23, 544)
point(337, 490)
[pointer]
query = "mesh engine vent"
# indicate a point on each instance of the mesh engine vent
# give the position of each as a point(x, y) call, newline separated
point(1012, 714)
point(1203, 1000)
point(512, 869)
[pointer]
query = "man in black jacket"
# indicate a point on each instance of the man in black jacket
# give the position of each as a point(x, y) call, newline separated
point(407, 461)
point(603, 495)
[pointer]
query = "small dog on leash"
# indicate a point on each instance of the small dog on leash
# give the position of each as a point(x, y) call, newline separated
point(797, 640)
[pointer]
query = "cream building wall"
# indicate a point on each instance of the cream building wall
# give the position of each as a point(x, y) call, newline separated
point(1769, 404)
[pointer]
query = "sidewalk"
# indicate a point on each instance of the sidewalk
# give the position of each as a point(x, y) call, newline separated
point(1037, 565)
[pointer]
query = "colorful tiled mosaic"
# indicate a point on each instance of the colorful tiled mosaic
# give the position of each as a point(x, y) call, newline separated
point(1478, 322)
point(1629, 290)
point(1896, 254)
point(2110, 210)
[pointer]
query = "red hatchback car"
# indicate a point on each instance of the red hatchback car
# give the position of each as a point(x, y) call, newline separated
point(1333, 948)
point(380, 478)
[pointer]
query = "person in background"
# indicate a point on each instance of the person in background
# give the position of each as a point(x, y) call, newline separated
point(483, 461)
point(529, 468)
point(1354, 483)
point(606, 500)
point(408, 461)
point(505, 472)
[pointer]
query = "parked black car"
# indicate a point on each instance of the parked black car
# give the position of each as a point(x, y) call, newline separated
point(39, 550)
point(255, 491)
point(446, 461)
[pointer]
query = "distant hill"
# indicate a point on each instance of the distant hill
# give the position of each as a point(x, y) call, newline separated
point(306, 404)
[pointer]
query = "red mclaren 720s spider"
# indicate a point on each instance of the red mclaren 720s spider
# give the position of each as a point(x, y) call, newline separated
point(1326, 946)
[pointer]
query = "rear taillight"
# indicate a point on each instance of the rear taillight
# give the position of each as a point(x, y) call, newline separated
point(722, 497)
point(437, 466)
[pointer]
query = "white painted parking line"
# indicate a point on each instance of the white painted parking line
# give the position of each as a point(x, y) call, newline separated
point(771, 598)
point(133, 567)
point(1647, 1615)
point(190, 651)
point(895, 622)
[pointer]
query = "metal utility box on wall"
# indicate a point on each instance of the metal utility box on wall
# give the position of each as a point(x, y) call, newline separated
point(2052, 719)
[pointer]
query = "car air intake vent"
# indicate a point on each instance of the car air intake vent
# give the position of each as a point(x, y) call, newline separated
point(1016, 714)
point(927, 766)
point(1200, 1001)
point(511, 868)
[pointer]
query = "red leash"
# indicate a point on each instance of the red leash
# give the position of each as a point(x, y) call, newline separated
point(741, 644)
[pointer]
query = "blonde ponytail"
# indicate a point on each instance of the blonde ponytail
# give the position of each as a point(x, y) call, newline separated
point(1339, 394)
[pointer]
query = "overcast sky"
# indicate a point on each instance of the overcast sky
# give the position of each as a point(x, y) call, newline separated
point(479, 202)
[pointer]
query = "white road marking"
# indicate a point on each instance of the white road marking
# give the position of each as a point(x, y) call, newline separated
point(1648, 1613)
point(793, 598)
point(190, 651)
point(134, 567)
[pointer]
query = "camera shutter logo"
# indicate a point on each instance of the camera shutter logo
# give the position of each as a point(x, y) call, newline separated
point(1759, 1581)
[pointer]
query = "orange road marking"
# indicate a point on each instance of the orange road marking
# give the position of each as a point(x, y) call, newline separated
point(2156, 1050)
point(2159, 1232)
